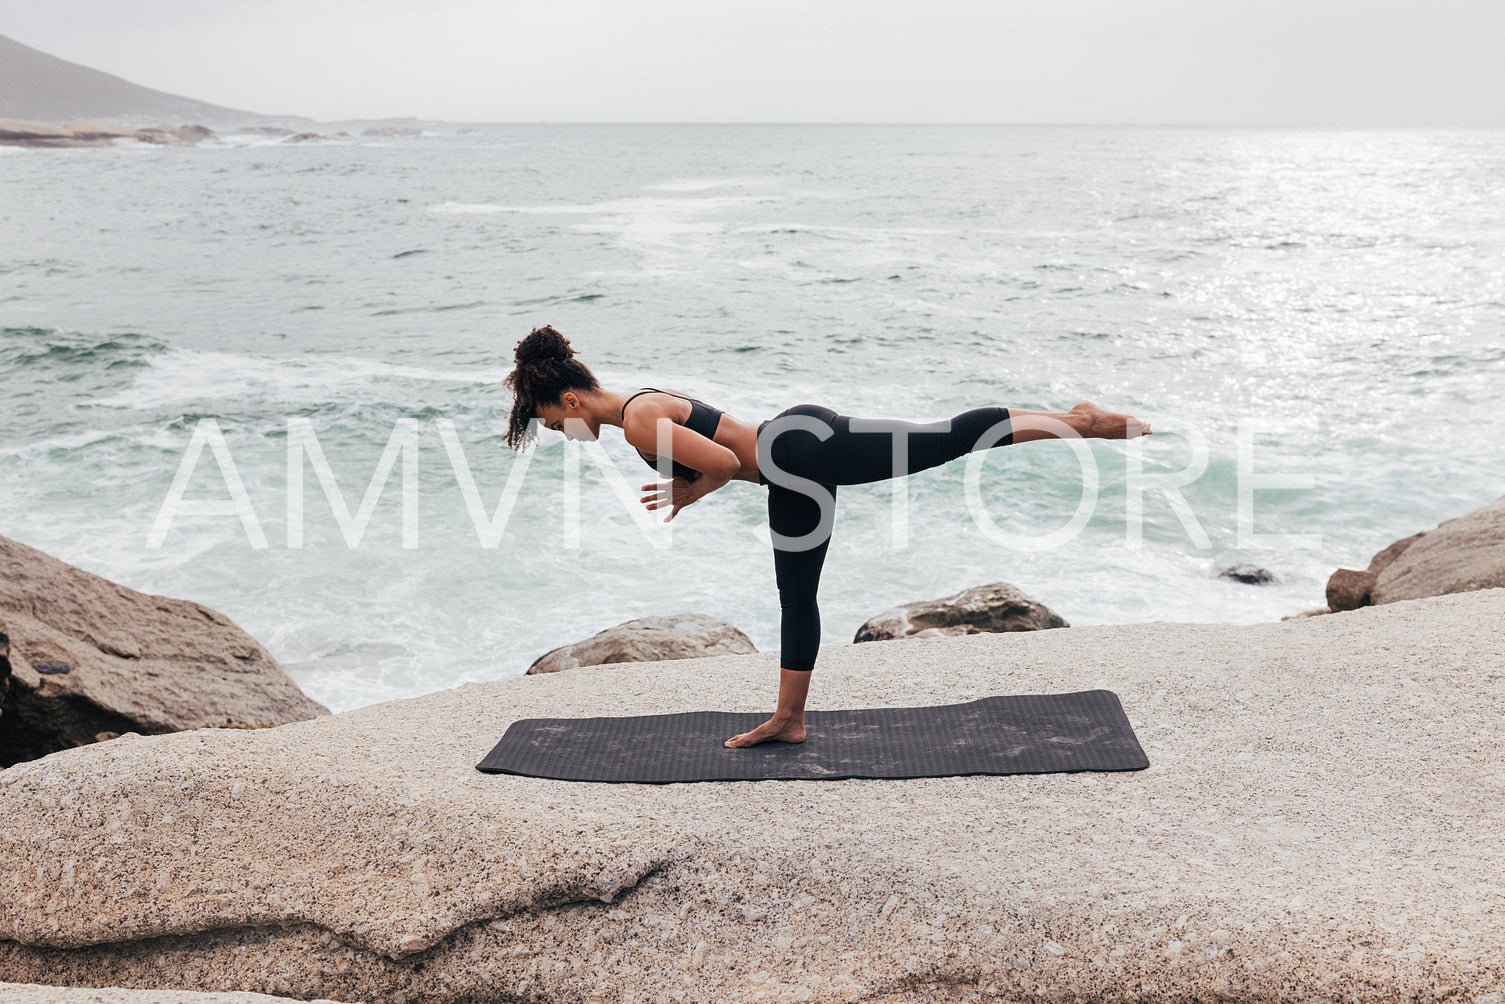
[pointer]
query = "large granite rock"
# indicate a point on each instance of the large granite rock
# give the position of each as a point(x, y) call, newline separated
point(1350, 588)
point(1321, 821)
point(992, 608)
point(649, 639)
point(4, 673)
point(91, 659)
point(1460, 555)
point(31, 993)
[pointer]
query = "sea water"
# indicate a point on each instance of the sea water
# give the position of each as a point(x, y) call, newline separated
point(1311, 319)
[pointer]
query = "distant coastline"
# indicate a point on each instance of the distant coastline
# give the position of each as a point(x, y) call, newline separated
point(50, 135)
point(20, 132)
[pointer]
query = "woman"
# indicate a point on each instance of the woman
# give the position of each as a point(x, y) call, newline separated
point(801, 454)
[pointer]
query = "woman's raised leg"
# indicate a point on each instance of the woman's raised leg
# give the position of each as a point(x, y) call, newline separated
point(860, 451)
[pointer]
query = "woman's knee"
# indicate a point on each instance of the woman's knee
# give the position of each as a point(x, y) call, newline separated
point(981, 429)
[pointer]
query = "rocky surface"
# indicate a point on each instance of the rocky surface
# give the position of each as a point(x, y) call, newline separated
point(90, 658)
point(1460, 555)
point(649, 639)
point(31, 993)
point(992, 608)
point(17, 132)
point(1321, 821)
point(1350, 588)
point(4, 675)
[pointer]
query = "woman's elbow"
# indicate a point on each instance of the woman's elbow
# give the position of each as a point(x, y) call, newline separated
point(726, 467)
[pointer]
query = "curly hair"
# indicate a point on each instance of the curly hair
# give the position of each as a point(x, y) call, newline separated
point(546, 368)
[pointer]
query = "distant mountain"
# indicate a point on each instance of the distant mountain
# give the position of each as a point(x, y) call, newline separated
point(43, 88)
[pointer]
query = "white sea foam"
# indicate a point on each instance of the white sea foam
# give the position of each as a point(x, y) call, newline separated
point(182, 375)
point(243, 139)
point(657, 227)
point(705, 184)
point(485, 208)
point(773, 228)
point(639, 206)
point(71, 441)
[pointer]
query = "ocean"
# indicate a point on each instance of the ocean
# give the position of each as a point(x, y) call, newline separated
point(1313, 320)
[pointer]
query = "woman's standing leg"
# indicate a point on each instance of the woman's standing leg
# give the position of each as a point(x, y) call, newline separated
point(792, 514)
point(794, 517)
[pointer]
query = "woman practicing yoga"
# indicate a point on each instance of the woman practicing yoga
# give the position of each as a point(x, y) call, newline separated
point(801, 454)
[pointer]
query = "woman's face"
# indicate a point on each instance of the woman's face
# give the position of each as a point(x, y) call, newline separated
point(569, 418)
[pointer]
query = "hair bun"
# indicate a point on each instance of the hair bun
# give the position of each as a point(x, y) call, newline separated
point(544, 345)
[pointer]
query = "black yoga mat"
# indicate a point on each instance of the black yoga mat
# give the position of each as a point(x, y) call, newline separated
point(1023, 734)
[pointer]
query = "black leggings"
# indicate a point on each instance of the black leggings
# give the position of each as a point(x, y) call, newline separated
point(801, 518)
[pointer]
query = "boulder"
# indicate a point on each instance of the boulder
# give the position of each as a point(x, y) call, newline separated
point(1460, 555)
point(1349, 589)
point(648, 639)
point(89, 657)
point(1249, 575)
point(994, 607)
point(31, 993)
point(1317, 823)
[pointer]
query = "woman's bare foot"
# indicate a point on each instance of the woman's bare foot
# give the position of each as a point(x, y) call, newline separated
point(1095, 423)
point(776, 729)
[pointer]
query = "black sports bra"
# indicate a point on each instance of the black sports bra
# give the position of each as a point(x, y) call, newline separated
point(703, 419)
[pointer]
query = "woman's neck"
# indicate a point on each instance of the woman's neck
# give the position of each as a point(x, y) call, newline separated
point(605, 406)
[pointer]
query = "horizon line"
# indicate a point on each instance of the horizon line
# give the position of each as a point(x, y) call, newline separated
point(1016, 124)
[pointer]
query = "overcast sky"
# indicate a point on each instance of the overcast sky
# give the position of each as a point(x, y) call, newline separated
point(1362, 62)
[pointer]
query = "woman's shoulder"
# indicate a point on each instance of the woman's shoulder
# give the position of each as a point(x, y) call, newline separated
point(648, 403)
point(664, 397)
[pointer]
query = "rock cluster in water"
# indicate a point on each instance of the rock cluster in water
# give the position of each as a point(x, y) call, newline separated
point(17, 132)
